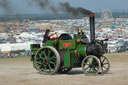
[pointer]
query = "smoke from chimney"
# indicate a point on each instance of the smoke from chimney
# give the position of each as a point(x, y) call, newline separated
point(75, 11)
point(41, 3)
point(46, 4)
point(63, 7)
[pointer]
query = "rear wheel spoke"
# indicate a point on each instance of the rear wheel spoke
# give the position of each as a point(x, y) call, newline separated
point(41, 56)
point(49, 67)
point(51, 58)
point(44, 54)
point(49, 52)
point(45, 67)
point(52, 63)
point(38, 62)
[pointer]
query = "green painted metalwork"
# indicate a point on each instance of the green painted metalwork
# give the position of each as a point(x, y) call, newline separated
point(67, 60)
point(74, 59)
point(51, 43)
point(81, 49)
point(67, 44)
point(34, 48)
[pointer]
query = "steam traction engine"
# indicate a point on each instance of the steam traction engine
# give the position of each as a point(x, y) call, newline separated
point(64, 53)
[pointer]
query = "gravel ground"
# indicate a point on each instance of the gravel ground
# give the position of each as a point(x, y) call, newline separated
point(20, 72)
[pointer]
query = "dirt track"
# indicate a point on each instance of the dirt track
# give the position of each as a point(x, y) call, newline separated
point(21, 72)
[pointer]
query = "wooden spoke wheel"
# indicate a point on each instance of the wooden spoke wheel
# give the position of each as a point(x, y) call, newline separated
point(47, 60)
point(91, 65)
point(105, 64)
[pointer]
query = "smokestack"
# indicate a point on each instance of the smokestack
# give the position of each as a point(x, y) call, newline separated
point(92, 27)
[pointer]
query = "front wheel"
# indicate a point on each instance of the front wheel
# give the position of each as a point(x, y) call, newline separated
point(105, 64)
point(91, 65)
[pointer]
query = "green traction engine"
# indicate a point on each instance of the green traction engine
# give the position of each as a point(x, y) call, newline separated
point(62, 54)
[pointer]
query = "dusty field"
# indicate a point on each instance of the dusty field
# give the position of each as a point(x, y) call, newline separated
point(19, 71)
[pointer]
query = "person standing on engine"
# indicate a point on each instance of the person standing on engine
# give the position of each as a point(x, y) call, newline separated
point(47, 36)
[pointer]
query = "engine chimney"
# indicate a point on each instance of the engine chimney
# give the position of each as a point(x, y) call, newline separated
point(92, 27)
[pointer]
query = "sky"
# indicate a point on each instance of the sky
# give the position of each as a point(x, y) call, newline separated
point(22, 6)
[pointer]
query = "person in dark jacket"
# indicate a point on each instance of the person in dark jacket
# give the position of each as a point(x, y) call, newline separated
point(47, 36)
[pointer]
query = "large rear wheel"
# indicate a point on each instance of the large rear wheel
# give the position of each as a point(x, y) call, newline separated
point(47, 60)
